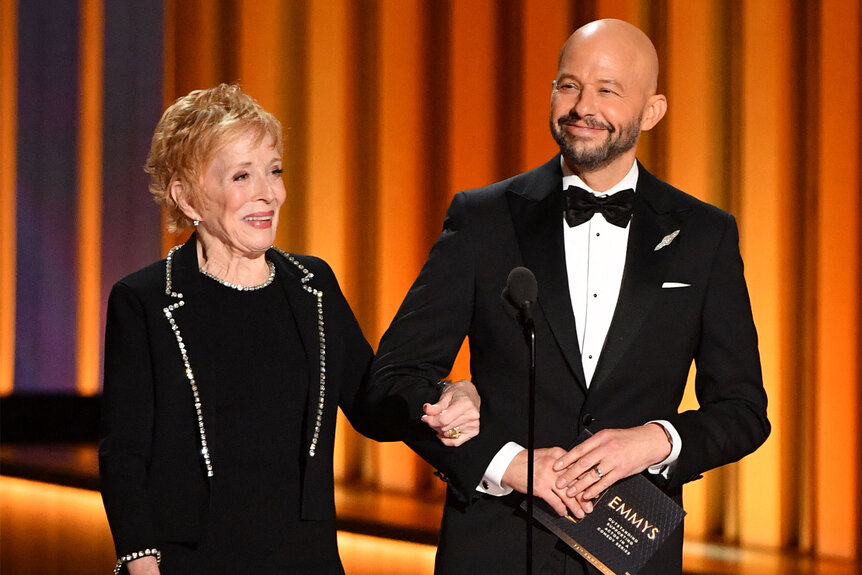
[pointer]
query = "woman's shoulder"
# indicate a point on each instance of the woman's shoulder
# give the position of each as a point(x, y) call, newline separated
point(305, 264)
point(148, 278)
point(172, 271)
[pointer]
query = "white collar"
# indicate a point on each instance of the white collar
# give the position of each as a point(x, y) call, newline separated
point(629, 182)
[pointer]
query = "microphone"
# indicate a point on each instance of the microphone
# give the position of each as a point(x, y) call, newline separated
point(520, 294)
point(519, 297)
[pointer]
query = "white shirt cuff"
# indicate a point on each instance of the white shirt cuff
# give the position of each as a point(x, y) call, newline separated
point(492, 481)
point(664, 468)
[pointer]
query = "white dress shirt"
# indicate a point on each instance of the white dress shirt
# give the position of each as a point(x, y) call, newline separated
point(595, 259)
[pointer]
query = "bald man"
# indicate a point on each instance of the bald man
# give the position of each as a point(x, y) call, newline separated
point(636, 279)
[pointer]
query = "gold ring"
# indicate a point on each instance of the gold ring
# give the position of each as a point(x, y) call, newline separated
point(454, 433)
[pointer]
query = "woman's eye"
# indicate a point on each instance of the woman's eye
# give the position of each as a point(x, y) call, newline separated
point(277, 171)
point(241, 176)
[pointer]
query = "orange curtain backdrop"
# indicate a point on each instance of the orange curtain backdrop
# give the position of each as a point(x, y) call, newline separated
point(765, 165)
point(8, 173)
point(836, 406)
point(90, 196)
point(546, 24)
point(403, 109)
point(391, 106)
point(474, 127)
point(690, 68)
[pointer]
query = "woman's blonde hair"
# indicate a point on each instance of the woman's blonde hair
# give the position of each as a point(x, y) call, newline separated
point(191, 131)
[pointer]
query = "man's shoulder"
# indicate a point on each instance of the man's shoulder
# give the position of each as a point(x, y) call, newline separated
point(667, 198)
point(533, 184)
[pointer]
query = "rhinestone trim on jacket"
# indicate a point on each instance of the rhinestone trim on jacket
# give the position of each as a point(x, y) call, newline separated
point(321, 335)
point(205, 453)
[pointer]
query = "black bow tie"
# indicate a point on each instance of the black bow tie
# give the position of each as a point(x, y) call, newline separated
point(581, 205)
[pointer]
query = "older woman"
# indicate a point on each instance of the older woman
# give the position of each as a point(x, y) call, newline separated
point(224, 366)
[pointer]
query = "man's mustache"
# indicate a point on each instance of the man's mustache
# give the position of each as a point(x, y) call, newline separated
point(588, 121)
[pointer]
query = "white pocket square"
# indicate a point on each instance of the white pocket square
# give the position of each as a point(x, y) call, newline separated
point(674, 285)
point(665, 241)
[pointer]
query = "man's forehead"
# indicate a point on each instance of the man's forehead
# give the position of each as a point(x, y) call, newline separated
point(607, 57)
point(610, 64)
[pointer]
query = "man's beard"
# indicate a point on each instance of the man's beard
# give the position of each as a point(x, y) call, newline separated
point(590, 159)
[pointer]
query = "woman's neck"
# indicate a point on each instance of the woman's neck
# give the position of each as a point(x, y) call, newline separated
point(229, 266)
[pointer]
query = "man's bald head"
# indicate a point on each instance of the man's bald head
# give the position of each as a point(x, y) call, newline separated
point(604, 96)
point(621, 39)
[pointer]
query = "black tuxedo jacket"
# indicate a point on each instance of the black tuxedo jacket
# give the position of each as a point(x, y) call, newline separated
point(154, 479)
point(655, 334)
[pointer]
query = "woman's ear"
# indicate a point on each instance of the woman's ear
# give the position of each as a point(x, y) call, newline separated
point(182, 196)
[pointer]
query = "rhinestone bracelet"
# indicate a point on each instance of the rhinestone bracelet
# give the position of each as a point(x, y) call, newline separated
point(137, 555)
point(442, 385)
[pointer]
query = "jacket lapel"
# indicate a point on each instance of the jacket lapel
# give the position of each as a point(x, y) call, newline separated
point(189, 318)
point(645, 268)
point(535, 203)
point(307, 304)
point(189, 315)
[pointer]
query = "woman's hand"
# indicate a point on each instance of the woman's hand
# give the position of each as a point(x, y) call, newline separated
point(143, 566)
point(455, 416)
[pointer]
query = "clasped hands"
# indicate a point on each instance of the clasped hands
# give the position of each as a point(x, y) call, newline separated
point(455, 416)
point(569, 480)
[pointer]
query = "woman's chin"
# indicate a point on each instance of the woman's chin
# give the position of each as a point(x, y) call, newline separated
point(256, 244)
point(256, 250)
point(246, 249)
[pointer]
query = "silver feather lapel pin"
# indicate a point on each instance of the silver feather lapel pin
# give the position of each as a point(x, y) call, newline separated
point(665, 241)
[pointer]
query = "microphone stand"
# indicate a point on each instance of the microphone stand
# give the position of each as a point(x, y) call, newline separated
point(530, 335)
point(519, 296)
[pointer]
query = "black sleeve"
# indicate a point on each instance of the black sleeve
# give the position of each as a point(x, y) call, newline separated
point(127, 423)
point(420, 347)
point(731, 420)
point(356, 356)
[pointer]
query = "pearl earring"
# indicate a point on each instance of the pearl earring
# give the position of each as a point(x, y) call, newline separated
point(195, 222)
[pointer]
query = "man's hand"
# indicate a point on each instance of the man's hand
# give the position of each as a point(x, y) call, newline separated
point(544, 481)
point(455, 416)
point(608, 456)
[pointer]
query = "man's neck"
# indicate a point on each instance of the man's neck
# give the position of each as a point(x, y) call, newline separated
point(606, 177)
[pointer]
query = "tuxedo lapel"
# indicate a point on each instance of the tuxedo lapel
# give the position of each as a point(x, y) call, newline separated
point(535, 203)
point(653, 219)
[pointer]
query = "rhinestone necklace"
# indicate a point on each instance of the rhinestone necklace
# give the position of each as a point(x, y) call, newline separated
point(241, 287)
